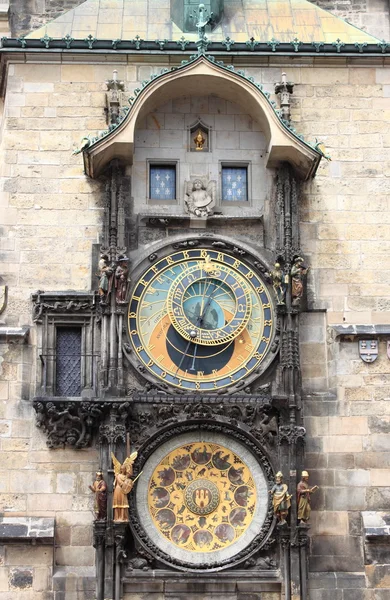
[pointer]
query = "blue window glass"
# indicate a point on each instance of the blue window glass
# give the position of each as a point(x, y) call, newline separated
point(162, 182)
point(234, 184)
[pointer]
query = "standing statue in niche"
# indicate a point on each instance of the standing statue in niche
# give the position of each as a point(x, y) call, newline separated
point(122, 486)
point(303, 498)
point(200, 199)
point(298, 272)
point(121, 280)
point(278, 283)
point(105, 273)
point(281, 499)
point(99, 488)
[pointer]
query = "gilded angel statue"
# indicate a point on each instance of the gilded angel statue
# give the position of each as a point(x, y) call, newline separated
point(122, 486)
point(200, 199)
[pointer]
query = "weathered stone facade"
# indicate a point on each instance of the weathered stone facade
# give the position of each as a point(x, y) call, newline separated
point(51, 215)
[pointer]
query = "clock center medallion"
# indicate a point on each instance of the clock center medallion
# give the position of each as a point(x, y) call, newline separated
point(202, 497)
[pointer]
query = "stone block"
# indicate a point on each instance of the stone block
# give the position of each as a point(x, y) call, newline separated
point(66, 483)
point(29, 555)
point(380, 477)
point(329, 523)
point(345, 499)
point(378, 576)
point(252, 140)
point(348, 426)
point(4, 583)
point(343, 443)
point(378, 498)
point(81, 536)
point(357, 477)
point(227, 139)
point(83, 556)
point(20, 578)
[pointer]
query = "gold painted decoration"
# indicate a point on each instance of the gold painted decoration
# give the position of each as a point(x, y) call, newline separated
point(202, 497)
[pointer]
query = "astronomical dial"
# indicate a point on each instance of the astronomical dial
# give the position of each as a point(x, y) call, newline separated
point(209, 304)
point(200, 320)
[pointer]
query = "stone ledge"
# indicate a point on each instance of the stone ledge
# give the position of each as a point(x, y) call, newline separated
point(223, 582)
point(354, 330)
point(376, 525)
point(14, 334)
point(33, 529)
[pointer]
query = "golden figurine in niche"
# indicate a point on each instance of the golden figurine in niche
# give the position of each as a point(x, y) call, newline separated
point(199, 140)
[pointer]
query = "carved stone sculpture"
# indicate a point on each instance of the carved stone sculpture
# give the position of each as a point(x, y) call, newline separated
point(278, 283)
point(200, 199)
point(99, 488)
point(122, 486)
point(105, 272)
point(303, 498)
point(281, 499)
point(121, 280)
point(298, 272)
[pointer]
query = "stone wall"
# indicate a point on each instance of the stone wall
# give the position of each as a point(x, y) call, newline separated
point(370, 15)
point(51, 215)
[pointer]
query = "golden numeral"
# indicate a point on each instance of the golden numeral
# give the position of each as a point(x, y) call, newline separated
point(200, 373)
point(248, 347)
point(215, 384)
point(250, 275)
point(136, 297)
point(265, 339)
point(185, 254)
point(154, 269)
point(239, 357)
point(160, 279)
point(143, 282)
point(132, 315)
point(260, 289)
point(150, 363)
point(203, 253)
point(241, 308)
point(163, 374)
point(267, 305)
point(220, 257)
point(139, 348)
point(160, 358)
point(179, 382)
point(133, 332)
point(151, 347)
point(170, 260)
point(215, 371)
point(258, 356)
point(236, 264)
point(269, 322)
point(197, 385)
point(178, 294)
point(231, 377)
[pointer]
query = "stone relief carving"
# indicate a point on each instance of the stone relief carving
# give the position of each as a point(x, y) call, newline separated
point(200, 197)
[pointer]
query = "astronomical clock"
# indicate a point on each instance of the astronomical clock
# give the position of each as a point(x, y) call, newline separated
point(201, 320)
point(201, 328)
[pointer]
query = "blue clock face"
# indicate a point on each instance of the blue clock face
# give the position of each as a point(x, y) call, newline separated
point(200, 320)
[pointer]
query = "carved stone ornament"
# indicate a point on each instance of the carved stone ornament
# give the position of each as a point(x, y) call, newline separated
point(388, 349)
point(368, 350)
point(291, 434)
point(69, 303)
point(200, 197)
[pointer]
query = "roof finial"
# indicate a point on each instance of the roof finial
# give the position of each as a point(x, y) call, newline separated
point(285, 89)
point(204, 19)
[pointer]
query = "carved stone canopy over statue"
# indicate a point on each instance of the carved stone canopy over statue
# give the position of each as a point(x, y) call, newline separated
point(200, 198)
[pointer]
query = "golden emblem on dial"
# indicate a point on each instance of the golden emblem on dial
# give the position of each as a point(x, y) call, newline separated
point(202, 497)
point(201, 320)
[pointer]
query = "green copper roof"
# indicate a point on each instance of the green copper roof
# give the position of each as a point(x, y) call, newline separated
point(242, 19)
